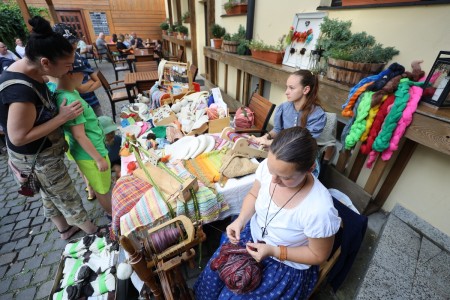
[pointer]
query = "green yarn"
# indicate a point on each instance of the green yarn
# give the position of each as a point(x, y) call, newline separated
point(359, 125)
point(402, 96)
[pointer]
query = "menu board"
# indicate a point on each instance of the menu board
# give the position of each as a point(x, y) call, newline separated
point(99, 22)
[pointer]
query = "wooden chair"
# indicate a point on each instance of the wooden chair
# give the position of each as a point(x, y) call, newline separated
point(96, 54)
point(119, 65)
point(92, 53)
point(115, 94)
point(145, 66)
point(263, 109)
point(178, 58)
point(142, 58)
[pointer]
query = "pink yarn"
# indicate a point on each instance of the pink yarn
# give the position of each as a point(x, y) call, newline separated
point(415, 93)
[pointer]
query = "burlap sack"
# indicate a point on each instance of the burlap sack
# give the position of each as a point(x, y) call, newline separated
point(236, 165)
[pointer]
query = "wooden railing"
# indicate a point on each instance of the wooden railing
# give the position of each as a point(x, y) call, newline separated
point(172, 45)
point(430, 127)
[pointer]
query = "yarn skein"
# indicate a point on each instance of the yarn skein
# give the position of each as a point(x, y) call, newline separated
point(376, 126)
point(349, 124)
point(370, 118)
point(363, 82)
point(348, 112)
point(403, 123)
point(390, 123)
point(394, 69)
point(359, 125)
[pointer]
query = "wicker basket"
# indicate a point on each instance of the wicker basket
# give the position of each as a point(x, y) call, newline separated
point(230, 46)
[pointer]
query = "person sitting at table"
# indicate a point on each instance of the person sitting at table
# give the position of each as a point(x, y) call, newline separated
point(113, 39)
point(136, 42)
point(123, 49)
point(126, 41)
point(101, 44)
point(287, 224)
point(302, 107)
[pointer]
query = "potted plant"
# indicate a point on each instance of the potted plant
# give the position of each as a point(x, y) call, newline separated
point(371, 2)
point(351, 56)
point(183, 31)
point(270, 53)
point(231, 42)
point(164, 26)
point(186, 17)
point(217, 32)
point(233, 7)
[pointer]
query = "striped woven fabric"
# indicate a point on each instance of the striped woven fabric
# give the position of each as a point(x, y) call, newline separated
point(126, 193)
point(151, 209)
point(206, 166)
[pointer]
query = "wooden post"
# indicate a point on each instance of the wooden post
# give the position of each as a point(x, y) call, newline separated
point(357, 166)
point(375, 176)
point(25, 12)
point(210, 19)
point(193, 32)
point(261, 86)
point(169, 8)
point(140, 267)
point(178, 6)
point(225, 87)
point(238, 85)
point(52, 11)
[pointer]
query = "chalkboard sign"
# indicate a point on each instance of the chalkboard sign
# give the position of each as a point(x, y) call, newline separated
point(99, 22)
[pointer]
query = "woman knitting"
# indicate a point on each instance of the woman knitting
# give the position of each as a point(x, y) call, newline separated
point(287, 224)
point(302, 107)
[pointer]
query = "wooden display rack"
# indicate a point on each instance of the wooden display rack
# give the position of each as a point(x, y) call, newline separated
point(176, 74)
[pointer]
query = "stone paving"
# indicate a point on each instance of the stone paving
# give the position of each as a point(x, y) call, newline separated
point(30, 245)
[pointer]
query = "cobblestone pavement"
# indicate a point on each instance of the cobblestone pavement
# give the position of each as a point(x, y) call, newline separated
point(30, 245)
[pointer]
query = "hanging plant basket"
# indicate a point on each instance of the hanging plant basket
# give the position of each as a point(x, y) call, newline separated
point(230, 46)
point(237, 9)
point(350, 73)
point(275, 57)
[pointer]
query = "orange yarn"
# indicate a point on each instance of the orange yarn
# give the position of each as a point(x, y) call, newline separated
point(348, 110)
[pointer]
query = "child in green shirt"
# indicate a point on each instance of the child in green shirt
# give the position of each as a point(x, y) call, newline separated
point(86, 138)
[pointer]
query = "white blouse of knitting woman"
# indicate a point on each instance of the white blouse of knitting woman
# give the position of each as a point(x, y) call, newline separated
point(290, 162)
point(302, 107)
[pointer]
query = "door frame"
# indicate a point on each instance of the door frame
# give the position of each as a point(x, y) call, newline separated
point(83, 25)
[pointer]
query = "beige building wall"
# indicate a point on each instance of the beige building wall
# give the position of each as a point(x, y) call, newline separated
point(418, 32)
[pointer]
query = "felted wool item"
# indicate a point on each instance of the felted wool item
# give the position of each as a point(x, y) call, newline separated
point(100, 262)
point(348, 110)
point(240, 272)
point(394, 69)
point(75, 250)
point(100, 244)
point(349, 124)
point(211, 142)
point(105, 282)
point(212, 113)
point(124, 271)
point(68, 293)
point(201, 147)
point(237, 165)
point(370, 118)
point(70, 272)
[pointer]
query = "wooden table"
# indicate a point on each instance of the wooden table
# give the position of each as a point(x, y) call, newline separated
point(131, 80)
point(146, 66)
point(140, 53)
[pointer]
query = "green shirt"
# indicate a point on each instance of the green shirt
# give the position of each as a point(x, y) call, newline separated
point(91, 126)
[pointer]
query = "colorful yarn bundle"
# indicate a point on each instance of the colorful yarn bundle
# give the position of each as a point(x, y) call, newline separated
point(163, 239)
point(403, 123)
point(348, 110)
point(394, 69)
point(240, 272)
point(212, 113)
point(232, 136)
point(377, 123)
point(349, 124)
point(359, 125)
point(370, 118)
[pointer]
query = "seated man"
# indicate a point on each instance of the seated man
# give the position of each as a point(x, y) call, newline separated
point(4, 52)
point(136, 42)
point(101, 44)
point(20, 48)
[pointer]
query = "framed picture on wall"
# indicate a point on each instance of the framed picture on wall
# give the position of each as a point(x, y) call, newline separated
point(304, 33)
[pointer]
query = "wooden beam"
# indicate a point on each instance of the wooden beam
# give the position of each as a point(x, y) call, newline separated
point(238, 85)
point(225, 86)
point(210, 19)
point(357, 166)
point(261, 86)
point(342, 161)
point(394, 174)
point(375, 176)
point(169, 8)
point(178, 6)
point(52, 11)
point(193, 32)
point(25, 13)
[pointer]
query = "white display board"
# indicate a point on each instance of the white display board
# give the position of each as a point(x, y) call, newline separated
point(298, 52)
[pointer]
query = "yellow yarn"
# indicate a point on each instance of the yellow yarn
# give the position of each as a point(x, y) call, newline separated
point(370, 118)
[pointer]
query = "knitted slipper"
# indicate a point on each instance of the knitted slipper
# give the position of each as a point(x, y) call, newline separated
point(67, 230)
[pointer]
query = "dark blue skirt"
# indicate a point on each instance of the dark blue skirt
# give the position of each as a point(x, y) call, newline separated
point(279, 281)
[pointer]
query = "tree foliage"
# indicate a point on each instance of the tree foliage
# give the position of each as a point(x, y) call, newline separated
point(12, 24)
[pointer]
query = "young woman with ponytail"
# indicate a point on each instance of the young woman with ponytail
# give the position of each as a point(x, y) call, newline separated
point(302, 107)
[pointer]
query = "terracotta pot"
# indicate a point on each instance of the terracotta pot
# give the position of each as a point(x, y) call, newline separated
point(230, 46)
point(237, 9)
point(275, 57)
point(164, 32)
point(218, 43)
point(350, 73)
point(371, 2)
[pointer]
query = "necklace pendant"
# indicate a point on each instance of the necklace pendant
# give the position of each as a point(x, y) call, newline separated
point(264, 231)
